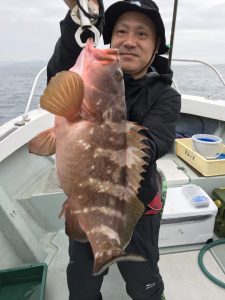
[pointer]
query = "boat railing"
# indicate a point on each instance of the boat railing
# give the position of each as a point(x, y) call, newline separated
point(25, 115)
point(201, 62)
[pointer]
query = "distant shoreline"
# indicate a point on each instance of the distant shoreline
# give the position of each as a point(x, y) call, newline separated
point(28, 62)
point(44, 63)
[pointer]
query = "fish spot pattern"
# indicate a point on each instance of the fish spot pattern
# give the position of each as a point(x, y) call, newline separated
point(105, 230)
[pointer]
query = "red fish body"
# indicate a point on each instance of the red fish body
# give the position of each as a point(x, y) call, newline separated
point(99, 156)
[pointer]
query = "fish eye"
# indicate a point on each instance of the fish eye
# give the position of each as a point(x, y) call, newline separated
point(118, 75)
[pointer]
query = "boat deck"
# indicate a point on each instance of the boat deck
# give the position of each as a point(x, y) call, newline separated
point(182, 276)
point(30, 232)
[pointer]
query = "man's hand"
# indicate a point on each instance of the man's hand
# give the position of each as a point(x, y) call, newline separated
point(70, 3)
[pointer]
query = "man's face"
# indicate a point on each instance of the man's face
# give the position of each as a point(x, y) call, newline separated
point(134, 35)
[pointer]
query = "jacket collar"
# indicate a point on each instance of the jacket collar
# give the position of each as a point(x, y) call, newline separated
point(158, 70)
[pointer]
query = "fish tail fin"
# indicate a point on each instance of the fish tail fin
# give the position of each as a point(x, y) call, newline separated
point(108, 257)
point(64, 95)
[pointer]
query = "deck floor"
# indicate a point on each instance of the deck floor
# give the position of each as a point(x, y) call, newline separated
point(182, 276)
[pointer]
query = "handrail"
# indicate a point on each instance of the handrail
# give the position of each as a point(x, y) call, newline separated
point(176, 87)
point(201, 62)
point(25, 115)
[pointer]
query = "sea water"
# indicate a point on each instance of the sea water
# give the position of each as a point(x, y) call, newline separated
point(16, 80)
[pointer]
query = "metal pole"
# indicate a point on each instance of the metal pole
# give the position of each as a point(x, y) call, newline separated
point(173, 30)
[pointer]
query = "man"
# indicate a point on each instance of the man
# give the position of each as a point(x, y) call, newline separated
point(137, 30)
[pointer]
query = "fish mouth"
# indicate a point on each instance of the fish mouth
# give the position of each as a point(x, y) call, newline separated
point(123, 53)
point(107, 55)
point(103, 55)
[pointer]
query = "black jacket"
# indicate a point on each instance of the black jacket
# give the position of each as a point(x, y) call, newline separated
point(151, 102)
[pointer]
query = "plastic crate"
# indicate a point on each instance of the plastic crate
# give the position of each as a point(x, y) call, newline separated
point(26, 282)
point(205, 166)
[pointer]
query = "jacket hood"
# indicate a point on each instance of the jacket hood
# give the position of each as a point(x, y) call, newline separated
point(160, 65)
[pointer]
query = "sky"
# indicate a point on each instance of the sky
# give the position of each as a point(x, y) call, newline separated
point(30, 29)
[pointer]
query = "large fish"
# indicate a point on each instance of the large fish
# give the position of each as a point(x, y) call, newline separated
point(99, 155)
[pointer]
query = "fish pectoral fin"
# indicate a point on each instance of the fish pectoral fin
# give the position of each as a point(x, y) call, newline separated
point(64, 95)
point(72, 226)
point(63, 210)
point(44, 143)
point(89, 112)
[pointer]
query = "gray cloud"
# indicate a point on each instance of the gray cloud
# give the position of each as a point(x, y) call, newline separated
point(29, 30)
point(200, 29)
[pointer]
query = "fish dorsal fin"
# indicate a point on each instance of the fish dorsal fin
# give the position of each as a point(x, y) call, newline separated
point(43, 144)
point(64, 94)
point(135, 156)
